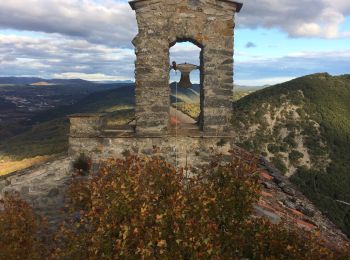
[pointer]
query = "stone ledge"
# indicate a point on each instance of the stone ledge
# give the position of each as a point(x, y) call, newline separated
point(238, 4)
point(138, 136)
point(79, 115)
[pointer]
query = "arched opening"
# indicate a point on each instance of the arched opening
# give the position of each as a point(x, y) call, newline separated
point(186, 81)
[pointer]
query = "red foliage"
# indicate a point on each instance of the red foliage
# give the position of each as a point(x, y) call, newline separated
point(144, 208)
point(20, 231)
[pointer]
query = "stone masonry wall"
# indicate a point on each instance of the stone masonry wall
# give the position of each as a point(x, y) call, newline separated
point(180, 150)
point(208, 24)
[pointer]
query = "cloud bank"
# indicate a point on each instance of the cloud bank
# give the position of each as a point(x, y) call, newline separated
point(106, 22)
point(113, 22)
point(52, 55)
point(304, 18)
point(91, 39)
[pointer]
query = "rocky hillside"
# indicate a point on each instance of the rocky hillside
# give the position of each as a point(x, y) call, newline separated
point(303, 128)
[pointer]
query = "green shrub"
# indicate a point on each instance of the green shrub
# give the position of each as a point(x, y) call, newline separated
point(221, 143)
point(82, 164)
point(273, 148)
point(295, 156)
point(290, 140)
point(279, 164)
point(284, 147)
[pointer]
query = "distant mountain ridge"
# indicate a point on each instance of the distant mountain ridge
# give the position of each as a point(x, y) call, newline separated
point(32, 80)
point(57, 81)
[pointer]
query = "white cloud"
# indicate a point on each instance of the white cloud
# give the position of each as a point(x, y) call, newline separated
point(263, 81)
point(304, 18)
point(113, 23)
point(91, 38)
point(52, 55)
point(293, 65)
point(185, 52)
point(107, 22)
point(308, 29)
point(324, 55)
point(184, 47)
point(90, 77)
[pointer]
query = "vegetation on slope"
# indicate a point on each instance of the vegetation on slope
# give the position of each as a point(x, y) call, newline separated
point(149, 210)
point(303, 127)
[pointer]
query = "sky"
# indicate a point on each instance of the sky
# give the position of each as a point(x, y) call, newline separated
point(275, 40)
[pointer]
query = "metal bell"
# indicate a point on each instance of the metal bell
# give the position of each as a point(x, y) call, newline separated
point(185, 70)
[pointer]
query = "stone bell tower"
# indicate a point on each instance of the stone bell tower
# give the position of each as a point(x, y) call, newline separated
point(208, 24)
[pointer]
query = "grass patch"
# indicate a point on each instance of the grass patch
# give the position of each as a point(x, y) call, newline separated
point(7, 167)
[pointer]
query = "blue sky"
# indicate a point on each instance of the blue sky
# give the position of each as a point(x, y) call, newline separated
point(274, 40)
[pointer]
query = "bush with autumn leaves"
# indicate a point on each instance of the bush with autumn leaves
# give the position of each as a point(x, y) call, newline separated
point(22, 233)
point(142, 208)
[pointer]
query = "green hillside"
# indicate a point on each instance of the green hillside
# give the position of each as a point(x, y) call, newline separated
point(303, 127)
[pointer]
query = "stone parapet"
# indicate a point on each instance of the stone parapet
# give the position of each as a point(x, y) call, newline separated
point(180, 151)
point(86, 125)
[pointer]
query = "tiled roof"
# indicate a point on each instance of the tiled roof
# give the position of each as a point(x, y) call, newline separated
point(281, 201)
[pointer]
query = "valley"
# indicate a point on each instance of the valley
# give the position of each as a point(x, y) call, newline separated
point(301, 126)
point(33, 123)
point(19, 103)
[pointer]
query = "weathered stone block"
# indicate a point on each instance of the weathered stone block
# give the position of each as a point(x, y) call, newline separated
point(53, 192)
point(215, 102)
point(86, 124)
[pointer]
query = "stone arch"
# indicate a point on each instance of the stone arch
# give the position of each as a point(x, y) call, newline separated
point(205, 23)
point(172, 43)
point(175, 40)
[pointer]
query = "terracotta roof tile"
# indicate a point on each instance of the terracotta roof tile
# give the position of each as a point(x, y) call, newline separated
point(305, 225)
point(281, 201)
point(265, 175)
point(266, 194)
